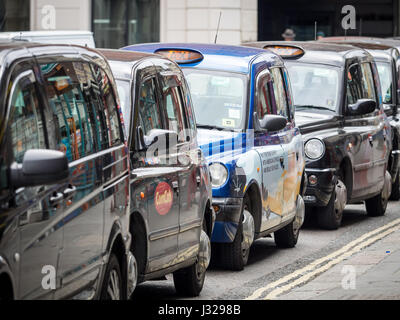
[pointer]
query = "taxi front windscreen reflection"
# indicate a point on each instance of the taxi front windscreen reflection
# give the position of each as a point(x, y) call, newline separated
point(219, 98)
point(314, 86)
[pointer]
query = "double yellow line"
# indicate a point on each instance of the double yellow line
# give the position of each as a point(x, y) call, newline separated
point(321, 265)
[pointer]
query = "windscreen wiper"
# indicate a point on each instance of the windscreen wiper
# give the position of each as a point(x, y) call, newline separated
point(211, 127)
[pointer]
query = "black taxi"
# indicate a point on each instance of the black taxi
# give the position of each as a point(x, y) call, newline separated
point(171, 214)
point(386, 53)
point(347, 135)
point(64, 176)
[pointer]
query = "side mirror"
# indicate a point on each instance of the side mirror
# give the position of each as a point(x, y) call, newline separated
point(362, 107)
point(39, 167)
point(271, 123)
point(163, 139)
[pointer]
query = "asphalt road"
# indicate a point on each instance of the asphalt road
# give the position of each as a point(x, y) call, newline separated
point(268, 265)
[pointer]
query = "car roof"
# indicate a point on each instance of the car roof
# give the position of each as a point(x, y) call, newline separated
point(365, 42)
point(380, 55)
point(216, 56)
point(317, 52)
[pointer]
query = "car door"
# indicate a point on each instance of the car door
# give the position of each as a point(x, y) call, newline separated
point(268, 145)
point(156, 173)
point(39, 209)
point(364, 133)
point(189, 175)
point(289, 141)
point(79, 130)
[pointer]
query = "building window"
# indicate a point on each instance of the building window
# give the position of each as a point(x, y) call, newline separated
point(119, 23)
point(14, 15)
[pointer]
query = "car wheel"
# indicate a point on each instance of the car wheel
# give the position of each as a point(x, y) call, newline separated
point(112, 284)
point(330, 217)
point(287, 237)
point(376, 206)
point(395, 196)
point(235, 255)
point(189, 281)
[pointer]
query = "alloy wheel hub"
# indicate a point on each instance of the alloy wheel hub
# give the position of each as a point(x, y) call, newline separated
point(204, 252)
point(248, 230)
point(300, 214)
point(341, 196)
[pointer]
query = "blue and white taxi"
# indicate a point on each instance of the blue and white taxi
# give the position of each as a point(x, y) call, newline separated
point(246, 130)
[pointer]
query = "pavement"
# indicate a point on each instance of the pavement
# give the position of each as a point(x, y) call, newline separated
point(372, 274)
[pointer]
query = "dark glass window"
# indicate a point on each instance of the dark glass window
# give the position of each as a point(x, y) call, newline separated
point(26, 123)
point(14, 15)
point(280, 93)
point(175, 112)
point(264, 106)
point(119, 23)
point(149, 109)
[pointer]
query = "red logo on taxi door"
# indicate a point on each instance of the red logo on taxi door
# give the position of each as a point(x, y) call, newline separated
point(163, 198)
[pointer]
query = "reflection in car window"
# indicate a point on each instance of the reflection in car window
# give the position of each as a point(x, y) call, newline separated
point(279, 92)
point(220, 94)
point(123, 88)
point(368, 82)
point(27, 130)
point(149, 109)
point(74, 118)
point(385, 76)
point(314, 85)
point(264, 106)
point(175, 112)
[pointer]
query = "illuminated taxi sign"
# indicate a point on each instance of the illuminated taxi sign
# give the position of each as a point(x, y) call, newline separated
point(181, 56)
point(286, 51)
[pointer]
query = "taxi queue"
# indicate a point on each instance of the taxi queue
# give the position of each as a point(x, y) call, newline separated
point(122, 166)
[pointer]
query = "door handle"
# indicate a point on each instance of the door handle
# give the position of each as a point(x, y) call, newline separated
point(175, 186)
point(198, 180)
point(282, 160)
point(371, 141)
point(70, 191)
point(56, 198)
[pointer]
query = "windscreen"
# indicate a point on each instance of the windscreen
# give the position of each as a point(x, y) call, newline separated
point(314, 86)
point(219, 98)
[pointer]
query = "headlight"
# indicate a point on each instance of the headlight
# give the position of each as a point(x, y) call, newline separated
point(314, 149)
point(219, 174)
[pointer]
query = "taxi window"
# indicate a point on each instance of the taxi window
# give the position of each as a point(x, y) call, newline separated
point(123, 88)
point(149, 108)
point(75, 119)
point(385, 76)
point(360, 83)
point(175, 112)
point(26, 124)
point(220, 94)
point(264, 106)
point(279, 92)
point(368, 82)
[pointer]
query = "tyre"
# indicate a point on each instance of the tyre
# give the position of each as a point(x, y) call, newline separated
point(330, 217)
point(112, 283)
point(234, 256)
point(287, 236)
point(189, 281)
point(395, 196)
point(376, 206)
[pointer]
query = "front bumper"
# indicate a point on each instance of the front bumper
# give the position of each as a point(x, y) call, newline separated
point(228, 212)
point(319, 193)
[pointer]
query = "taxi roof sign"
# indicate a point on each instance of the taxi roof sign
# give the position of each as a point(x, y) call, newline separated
point(181, 56)
point(286, 51)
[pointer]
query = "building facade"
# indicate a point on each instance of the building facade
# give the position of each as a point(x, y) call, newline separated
point(117, 23)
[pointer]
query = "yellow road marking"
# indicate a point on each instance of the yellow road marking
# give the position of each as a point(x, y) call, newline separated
point(259, 292)
point(329, 265)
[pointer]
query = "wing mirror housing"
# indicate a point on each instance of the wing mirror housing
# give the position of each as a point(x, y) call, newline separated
point(270, 123)
point(39, 167)
point(362, 107)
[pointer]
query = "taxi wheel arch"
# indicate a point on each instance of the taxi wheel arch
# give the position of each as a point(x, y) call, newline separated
point(345, 169)
point(207, 221)
point(138, 231)
point(256, 205)
point(117, 251)
point(6, 288)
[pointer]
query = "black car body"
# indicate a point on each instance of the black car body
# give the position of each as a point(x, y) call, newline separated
point(386, 53)
point(171, 214)
point(64, 182)
point(348, 138)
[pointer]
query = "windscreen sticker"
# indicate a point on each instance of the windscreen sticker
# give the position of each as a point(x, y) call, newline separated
point(228, 123)
point(163, 198)
point(234, 113)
